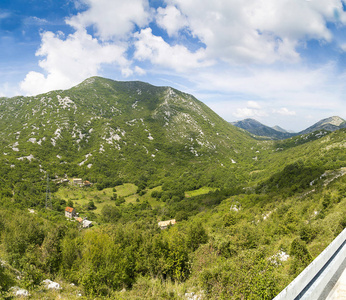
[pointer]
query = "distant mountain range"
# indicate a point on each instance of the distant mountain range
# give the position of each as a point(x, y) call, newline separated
point(278, 133)
point(260, 129)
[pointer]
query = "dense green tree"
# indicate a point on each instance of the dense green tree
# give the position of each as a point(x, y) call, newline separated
point(196, 235)
point(301, 254)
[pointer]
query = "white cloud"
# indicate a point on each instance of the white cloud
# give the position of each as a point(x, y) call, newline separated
point(155, 49)
point(252, 110)
point(171, 19)
point(259, 31)
point(112, 18)
point(71, 60)
point(67, 61)
point(139, 71)
point(244, 113)
point(284, 111)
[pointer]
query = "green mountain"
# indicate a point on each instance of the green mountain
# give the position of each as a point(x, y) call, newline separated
point(103, 130)
point(250, 213)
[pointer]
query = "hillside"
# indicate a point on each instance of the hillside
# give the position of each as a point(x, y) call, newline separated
point(113, 128)
point(250, 214)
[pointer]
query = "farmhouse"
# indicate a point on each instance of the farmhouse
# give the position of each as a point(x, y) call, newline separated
point(165, 224)
point(77, 181)
point(87, 223)
point(70, 212)
point(84, 222)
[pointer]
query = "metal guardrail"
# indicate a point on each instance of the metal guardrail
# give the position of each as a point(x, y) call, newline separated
point(313, 281)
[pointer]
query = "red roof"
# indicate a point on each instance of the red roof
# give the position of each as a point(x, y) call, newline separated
point(69, 209)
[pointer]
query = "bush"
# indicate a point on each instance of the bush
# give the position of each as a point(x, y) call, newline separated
point(308, 233)
point(301, 254)
point(196, 236)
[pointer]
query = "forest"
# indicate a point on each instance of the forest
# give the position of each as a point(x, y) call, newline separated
point(227, 243)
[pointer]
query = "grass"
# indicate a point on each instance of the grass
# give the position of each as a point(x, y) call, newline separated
point(81, 196)
point(201, 191)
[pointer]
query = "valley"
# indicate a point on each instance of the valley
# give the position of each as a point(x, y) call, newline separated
point(251, 212)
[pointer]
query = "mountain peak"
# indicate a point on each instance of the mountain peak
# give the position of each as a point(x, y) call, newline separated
point(330, 124)
point(335, 120)
point(278, 128)
point(259, 129)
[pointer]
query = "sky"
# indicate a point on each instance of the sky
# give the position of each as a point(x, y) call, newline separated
point(281, 62)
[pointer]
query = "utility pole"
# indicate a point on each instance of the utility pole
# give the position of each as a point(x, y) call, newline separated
point(48, 197)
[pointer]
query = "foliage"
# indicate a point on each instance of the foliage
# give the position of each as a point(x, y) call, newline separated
point(301, 254)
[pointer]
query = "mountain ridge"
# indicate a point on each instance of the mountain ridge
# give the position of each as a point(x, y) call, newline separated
point(253, 126)
point(102, 126)
point(259, 129)
point(330, 124)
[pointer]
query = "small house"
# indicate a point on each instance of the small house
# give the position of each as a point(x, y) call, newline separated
point(70, 212)
point(86, 223)
point(77, 181)
point(165, 224)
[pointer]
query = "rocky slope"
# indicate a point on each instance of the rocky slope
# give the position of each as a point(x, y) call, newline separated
point(329, 124)
point(117, 129)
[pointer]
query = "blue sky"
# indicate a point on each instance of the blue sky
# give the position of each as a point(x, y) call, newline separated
point(280, 62)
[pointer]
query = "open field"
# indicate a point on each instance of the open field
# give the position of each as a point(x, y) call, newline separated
point(81, 196)
point(201, 191)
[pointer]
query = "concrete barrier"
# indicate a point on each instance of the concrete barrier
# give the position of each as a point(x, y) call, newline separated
point(313, 280)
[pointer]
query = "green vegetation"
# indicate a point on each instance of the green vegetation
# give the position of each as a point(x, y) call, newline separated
point(200, 191)
point(250, 214)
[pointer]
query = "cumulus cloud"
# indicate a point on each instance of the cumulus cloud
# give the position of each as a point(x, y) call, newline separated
point(252, 110)
point(157, 51)
point(69, 61)
point(171, 19)
point(112, 18)
point(259, 31)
